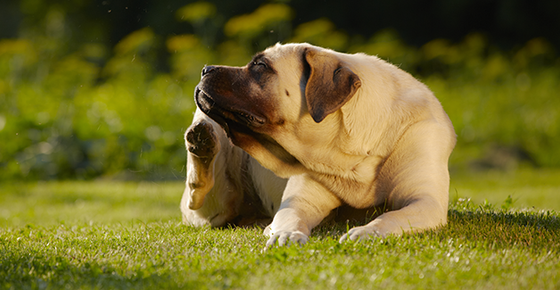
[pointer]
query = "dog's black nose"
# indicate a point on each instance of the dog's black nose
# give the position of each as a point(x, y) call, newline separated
point(207, 69)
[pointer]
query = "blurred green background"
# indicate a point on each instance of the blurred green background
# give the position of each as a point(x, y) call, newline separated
point(93, 89)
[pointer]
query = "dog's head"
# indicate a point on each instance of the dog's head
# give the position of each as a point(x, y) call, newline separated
point(280, 105)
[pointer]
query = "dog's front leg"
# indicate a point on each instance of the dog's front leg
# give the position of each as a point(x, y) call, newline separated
point(422, 214)
point(305, 204)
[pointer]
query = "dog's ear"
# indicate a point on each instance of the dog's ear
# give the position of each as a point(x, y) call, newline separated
point(330, 85)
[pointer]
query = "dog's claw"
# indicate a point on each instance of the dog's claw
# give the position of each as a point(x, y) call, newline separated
point(270, 243)
point(343, 238)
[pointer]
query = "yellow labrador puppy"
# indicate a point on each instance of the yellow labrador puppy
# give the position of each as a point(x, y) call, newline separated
point(343, 129)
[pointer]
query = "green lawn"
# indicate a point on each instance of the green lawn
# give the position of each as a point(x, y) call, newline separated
point(535, 189)
point(107, 235)
point(75, 202)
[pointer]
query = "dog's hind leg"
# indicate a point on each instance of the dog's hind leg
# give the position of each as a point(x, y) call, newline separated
point(202, 146)
point(224, 184)
point(214, 189)
point(419, 193)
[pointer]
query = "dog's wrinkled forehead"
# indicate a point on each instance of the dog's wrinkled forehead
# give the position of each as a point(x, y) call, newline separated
point(280, 51)
point(287, 58)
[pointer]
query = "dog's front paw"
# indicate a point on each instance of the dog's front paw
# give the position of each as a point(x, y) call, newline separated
point(361, 233)
point(202, 140)
point(287, 238)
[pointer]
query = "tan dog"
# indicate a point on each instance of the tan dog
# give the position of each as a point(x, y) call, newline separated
point(343, 129)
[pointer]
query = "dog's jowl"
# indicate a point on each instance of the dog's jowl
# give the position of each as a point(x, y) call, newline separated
point(302, 132)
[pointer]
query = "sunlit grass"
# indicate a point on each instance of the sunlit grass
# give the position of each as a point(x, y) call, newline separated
point(113, 235)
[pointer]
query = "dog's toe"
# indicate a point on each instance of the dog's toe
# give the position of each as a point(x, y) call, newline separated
point(287, 238)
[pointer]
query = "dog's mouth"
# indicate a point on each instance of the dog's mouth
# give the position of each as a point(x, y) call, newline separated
point(236, 119)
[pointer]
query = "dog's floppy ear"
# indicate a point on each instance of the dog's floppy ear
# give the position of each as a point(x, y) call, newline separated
point(330, 85)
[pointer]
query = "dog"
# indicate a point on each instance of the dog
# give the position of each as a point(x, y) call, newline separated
point(302, 131)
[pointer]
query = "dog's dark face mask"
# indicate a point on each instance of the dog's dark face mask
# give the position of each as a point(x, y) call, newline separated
point(250, 102)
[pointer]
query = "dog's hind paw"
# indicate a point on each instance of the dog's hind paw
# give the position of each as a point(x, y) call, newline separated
point(202, 140)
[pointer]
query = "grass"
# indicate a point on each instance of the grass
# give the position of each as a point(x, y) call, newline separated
point(103, 235)
point(528, 188)
point(74, 202)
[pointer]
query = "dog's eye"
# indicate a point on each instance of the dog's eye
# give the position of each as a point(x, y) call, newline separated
point(259, 64)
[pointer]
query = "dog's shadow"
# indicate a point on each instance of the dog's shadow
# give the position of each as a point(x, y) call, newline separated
point(532, 230)
point(339, 219)
point(535, 231)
